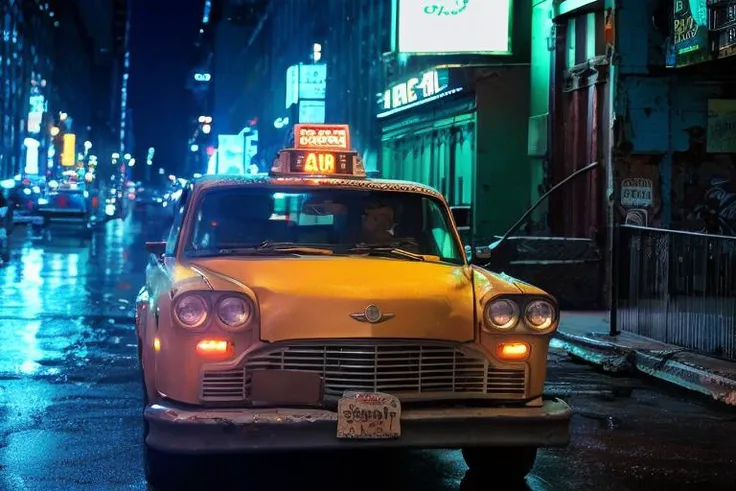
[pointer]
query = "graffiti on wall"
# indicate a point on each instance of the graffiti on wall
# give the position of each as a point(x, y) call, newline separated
point(638, 197)
point(703, 188)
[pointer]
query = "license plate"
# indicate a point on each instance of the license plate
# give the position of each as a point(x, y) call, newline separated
point(368, 416)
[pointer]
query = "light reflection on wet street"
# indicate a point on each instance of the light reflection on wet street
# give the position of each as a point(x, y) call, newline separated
point(70, 400)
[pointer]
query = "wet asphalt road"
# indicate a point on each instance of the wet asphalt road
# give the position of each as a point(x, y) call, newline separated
point(70, 400)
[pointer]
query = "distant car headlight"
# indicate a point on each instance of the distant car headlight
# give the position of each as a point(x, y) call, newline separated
point(191, 310)
point(234, 312)
point(540, 314)
point(502, 314)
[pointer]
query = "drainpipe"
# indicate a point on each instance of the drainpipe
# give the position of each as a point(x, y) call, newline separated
point(610, 266)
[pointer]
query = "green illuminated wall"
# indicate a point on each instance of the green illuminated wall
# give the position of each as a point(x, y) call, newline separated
point(541, 56)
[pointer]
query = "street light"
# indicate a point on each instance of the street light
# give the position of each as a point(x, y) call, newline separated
point(194, 147)
point(126, 156)
point(206, 129)
point(55, 131)
point(87, 145)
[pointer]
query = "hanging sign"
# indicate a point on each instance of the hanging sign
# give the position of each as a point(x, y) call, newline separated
point(690, 33)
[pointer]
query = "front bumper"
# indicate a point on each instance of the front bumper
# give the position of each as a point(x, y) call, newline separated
point(26, 219)
point(182, 430)
point(68, 223)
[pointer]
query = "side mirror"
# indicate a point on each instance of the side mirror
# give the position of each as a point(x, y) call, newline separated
point(482, 252)
point(468, 253)
point(156, 248)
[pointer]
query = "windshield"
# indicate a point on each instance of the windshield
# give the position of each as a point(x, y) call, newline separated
point(338, 221)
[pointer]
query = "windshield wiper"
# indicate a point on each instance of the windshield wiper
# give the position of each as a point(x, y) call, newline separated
point(266, 248)
point(292, 247)
point(376, 250)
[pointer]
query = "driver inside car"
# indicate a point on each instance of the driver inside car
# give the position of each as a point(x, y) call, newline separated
point(379, 227)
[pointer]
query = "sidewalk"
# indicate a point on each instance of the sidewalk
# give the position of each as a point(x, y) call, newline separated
point(586, 335)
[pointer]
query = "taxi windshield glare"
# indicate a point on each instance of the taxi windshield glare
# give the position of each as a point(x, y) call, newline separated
point(344, 221)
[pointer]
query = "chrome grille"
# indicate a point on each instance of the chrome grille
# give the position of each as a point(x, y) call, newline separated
point(223, 385)
point(409, 370)
point(413, 371)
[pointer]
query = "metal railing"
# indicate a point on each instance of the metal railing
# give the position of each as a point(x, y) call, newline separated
point(676, 287)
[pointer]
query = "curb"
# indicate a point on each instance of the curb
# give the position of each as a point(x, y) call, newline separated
point(671, 366)
point(610, 357)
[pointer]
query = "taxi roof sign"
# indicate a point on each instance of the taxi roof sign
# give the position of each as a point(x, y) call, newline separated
point(320, 150)
point(322, 137)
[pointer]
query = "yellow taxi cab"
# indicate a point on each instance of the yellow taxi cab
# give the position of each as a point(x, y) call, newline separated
point(316, 309)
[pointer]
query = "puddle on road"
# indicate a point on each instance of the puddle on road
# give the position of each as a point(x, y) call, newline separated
point(64, 350)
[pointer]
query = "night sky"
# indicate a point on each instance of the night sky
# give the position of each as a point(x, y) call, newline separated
point(162, 52)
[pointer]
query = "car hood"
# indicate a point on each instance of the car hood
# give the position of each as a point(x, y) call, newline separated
point(327, 297)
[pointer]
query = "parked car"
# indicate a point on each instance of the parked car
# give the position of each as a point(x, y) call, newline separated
point(68, 211)
point(315, 308)
point(24, 201)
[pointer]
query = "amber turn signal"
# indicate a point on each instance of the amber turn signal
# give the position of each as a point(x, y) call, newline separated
point(209, 347)
point(512, 351)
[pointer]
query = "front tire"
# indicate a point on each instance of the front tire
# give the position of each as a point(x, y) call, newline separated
point(165, 471)
point(511, 464)
point(162, 471)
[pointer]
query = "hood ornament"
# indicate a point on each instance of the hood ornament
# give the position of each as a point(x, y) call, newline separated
point(371, 314)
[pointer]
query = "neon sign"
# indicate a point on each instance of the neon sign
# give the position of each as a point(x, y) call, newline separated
point(322, 136)
point(427, 87)
point(320, 162)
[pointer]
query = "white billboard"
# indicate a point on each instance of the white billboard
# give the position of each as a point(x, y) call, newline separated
point(305, 81)
point(312, 81)
point(454, 26)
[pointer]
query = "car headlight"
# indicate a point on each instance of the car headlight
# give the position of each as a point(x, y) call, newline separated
point(540, 314)
point(502, 314)
point(234, 312)
point(191, 310)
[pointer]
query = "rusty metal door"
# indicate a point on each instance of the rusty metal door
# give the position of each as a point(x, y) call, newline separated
point(580, 211)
